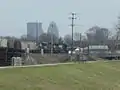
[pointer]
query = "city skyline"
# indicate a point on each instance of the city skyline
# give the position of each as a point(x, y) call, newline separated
point(16, 13)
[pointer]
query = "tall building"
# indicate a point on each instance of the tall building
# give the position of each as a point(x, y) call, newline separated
point(34, 30)
point(53, 29)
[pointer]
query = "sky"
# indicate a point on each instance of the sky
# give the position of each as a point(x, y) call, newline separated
point(14, 14)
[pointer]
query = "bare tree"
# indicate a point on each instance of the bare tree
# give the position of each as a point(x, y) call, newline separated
point(61, 41)
point(45, 37)
point(117, 35)
point(97, 35)
point(76, 36)
point(68, 39)
point(24, 37)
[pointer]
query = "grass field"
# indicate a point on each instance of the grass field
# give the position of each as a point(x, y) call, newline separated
point(89, 76)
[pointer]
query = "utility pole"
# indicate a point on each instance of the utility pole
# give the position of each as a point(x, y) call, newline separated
point(72, 26)
point(80, 42)
point(80, 39)
point(80, 46)
point(118, 32)
point(37, 28)
point(118, 35)
point(52, 40)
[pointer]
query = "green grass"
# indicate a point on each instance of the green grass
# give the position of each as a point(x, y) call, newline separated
point(89, 76)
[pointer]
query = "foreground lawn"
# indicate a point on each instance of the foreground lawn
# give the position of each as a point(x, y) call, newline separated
point(89, 76)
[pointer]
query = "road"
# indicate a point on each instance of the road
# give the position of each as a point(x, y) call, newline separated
point(41, 65)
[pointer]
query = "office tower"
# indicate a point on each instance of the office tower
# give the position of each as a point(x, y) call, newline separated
point(34, 30)
point(53, 29)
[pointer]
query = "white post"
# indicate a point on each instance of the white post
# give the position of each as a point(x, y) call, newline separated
point(27, 52)
point(13, 61)
point(42, 52)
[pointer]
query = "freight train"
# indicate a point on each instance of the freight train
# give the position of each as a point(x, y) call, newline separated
point(13, 48)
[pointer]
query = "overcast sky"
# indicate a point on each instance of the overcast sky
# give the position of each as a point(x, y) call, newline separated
point(14, 14)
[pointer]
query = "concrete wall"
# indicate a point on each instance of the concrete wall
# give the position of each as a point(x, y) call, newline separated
point(24, 44)
point(3, 42)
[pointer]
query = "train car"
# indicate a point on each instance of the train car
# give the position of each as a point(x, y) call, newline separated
point(13, 48)
point(9, 48)
point(28, 44)
point(3, 52)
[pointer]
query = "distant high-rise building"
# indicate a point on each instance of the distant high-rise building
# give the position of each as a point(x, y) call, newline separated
point(34, 30)
point(53, 29)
